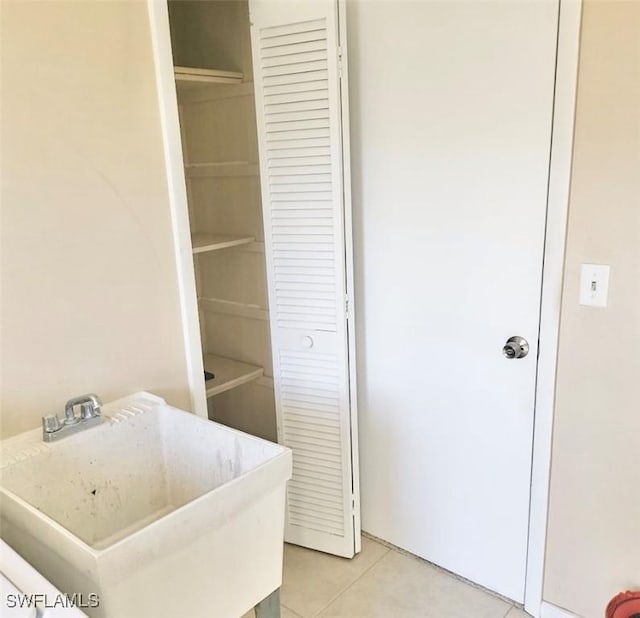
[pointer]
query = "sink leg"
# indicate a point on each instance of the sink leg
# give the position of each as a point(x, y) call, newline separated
point(269, 607)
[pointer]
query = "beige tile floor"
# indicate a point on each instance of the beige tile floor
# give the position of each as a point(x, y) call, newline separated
point(379, 583)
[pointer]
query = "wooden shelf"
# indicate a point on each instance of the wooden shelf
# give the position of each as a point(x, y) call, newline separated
point(221, 170)
point(228, 374)
point(201, 243)
point(230, 307)
point(189, 78)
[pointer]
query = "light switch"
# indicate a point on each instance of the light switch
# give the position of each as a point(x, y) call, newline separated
point(594, 285)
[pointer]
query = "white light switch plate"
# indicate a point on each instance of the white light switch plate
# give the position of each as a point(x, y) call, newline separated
point(594, 285)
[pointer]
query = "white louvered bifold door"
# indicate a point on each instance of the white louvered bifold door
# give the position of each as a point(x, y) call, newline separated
point(298, 104)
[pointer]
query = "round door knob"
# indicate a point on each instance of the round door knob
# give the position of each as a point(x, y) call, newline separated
point(516, 347)
point(307, 342)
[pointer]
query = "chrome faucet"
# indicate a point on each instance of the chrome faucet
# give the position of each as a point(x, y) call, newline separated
point(54, 428)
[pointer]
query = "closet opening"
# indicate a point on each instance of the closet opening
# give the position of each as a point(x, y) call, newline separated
point(211, 46)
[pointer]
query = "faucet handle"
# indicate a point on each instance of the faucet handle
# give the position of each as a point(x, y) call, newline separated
point(89, 410)
point(51, 423)
point(90, 407)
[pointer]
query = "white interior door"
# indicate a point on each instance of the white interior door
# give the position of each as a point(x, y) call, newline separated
point(299, 102)
point(451, 130)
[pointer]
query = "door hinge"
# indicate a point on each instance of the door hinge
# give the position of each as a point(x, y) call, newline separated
point(347, 307)
point(339, 62)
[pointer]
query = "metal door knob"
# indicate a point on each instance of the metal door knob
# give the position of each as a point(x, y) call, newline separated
point(516, 347)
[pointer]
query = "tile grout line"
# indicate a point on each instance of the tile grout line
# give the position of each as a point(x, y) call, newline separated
point(511, 609)
point(464, 580)
point(401, 552)
point(296, 614)
point(348, 586)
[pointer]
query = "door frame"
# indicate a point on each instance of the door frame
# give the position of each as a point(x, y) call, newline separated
point(561, 153)
point(561, 156)
point(158, 11)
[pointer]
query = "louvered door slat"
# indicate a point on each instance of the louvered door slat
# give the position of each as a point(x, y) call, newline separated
point(298, 78)
point(311, 367)
point(284, 40)
point(304, 424)
point(326, 498)
point(316, 405)
point(301, 177)
point(317, 162)
point(309, 169)
point(311, 478)
point(298, 103)
point(296, 218)
point(299, 86)
point(288, 58)
point(294, 48)
point(312, 481)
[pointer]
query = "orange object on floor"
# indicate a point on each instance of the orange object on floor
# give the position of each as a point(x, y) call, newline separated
point(624, 605)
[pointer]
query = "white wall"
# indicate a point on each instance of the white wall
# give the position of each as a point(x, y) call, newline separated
point(89, 288)
point(593, 548)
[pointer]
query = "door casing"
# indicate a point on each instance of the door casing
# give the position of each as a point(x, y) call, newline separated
point(554, 249)
point(158, 12)
point(552, 278)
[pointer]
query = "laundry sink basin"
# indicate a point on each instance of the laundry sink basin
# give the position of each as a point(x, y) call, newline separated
point(156, 511)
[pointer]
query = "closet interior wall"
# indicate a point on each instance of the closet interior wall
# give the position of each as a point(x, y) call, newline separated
point(218, 128)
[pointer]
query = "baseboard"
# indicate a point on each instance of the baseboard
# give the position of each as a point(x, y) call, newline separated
point(552, 611)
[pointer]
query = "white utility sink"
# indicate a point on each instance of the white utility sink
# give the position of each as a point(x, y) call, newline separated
point(159, 512)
